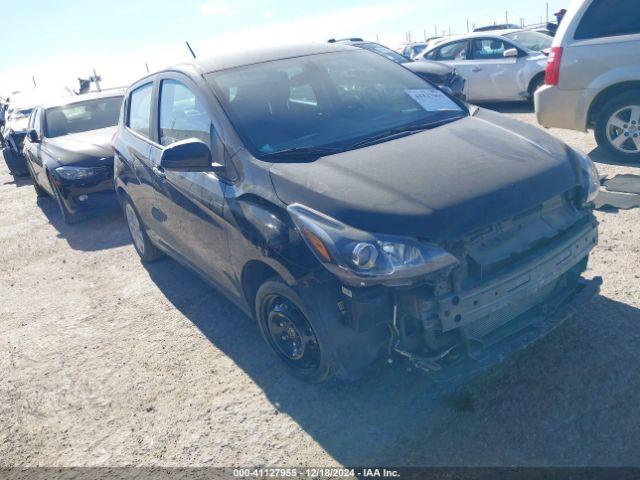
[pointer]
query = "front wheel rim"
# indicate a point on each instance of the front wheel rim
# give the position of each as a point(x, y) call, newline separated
point(134, 228)
point(291, 334)
point(623, 129)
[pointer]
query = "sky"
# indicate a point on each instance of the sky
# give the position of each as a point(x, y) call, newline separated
point(58, 41)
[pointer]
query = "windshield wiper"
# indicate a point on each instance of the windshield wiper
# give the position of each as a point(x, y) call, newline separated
point(402, 131)
point(302, 152)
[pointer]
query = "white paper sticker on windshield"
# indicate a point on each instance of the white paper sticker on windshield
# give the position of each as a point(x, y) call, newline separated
point(432, 100)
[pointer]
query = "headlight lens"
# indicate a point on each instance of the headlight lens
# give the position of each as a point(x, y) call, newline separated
point(361, 258)
point(590, 179)
point(75, 173)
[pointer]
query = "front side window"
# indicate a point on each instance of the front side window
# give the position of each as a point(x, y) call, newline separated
point(139, 117)
point(453, 51)
point(535, 41)
point(608, 18)
point(82, 116)
point(333, 100)
point(182, 115)
point(489, 48)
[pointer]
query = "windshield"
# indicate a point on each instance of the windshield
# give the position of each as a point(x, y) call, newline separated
point(334, 100)
point(535, 41)
point(82, 116)
point(384, 51)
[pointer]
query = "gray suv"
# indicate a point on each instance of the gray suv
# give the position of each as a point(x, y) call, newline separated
point(593, 75)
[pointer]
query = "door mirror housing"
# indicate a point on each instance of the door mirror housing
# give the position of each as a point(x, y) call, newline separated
point(510, 53)
point(187, 155)
point(33, 136)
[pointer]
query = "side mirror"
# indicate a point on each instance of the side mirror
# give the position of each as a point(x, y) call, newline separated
point(187, 155)
point(510, 53)
point(33, 136)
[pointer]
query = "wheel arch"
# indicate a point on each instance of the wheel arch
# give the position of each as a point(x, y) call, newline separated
point(607, 94)
point(255, 273)
point(538, 76)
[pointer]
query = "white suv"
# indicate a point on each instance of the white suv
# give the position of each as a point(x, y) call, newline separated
point(593, 75)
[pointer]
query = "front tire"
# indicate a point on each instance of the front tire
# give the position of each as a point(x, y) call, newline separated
point(147, 251)
point(68, 217)
point(288, 328)
point(617, 127)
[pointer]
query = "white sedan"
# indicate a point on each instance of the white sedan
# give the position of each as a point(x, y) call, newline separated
point(497, 66)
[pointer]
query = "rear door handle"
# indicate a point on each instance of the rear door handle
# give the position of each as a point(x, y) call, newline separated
point(476, 69)
point(159, 171)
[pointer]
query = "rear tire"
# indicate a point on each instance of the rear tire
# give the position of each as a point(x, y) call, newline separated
point(617, 128)
point(536, 83)
point(147, 251)
point(292, 332)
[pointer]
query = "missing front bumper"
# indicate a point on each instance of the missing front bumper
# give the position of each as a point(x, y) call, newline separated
point(472, 356)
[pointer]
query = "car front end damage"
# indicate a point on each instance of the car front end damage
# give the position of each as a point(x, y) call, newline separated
point(515, 282)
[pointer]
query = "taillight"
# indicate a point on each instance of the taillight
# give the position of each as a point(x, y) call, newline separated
point(552, 75)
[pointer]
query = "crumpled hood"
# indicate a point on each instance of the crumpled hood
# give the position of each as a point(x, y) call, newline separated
point(17, 125)
point(84, 148)
point(440, 184)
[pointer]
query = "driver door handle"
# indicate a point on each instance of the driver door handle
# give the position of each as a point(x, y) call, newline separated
point(159, 171)
point(476, 69)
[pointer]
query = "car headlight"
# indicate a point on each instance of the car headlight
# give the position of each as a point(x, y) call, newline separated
point(360, 258)
point(590, 179)
point(75, 173)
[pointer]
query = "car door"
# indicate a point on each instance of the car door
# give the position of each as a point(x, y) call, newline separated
point(494, 76)
point(135, 152)
point(35, 151)
point(192, 202)
point(455, 54)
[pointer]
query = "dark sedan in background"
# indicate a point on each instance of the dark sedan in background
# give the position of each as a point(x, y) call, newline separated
point(68, 151)
point(437, 73)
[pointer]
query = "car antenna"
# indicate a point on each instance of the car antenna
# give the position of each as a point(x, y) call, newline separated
point(190, 49)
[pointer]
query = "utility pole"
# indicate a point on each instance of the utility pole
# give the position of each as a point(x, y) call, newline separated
point(547, 12)
point(467, 25)
point(506, 17)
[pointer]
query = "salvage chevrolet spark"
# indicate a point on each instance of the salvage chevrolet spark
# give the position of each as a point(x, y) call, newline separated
point(354, 210)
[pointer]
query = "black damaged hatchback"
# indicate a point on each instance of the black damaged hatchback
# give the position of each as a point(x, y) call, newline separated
point(356, 211)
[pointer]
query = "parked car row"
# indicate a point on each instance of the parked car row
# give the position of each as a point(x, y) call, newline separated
point(350, 204)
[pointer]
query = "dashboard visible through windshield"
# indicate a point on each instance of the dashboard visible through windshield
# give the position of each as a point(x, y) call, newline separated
point(332, 101)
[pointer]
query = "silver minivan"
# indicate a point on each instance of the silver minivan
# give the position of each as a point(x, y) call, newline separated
point(593, 75)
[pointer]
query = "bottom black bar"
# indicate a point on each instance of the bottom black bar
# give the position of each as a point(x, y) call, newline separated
point(320, 473)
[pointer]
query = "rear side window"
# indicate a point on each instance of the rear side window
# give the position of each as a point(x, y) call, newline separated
point(139, 118)
point(608, 18)
point(182, 115)
point(489, 48)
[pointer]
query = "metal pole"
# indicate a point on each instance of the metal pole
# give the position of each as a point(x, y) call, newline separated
point(547, 12)
point(95, 75)
point(467, 25)
point(506, 17)
point(146, 66)
point(190, 49)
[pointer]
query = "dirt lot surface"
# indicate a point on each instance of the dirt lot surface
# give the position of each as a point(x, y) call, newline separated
point(104, 361)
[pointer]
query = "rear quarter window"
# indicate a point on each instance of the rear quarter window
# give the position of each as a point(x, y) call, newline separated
point(608, 18)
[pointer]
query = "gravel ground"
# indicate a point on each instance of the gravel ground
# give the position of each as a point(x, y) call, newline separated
point(104, 361)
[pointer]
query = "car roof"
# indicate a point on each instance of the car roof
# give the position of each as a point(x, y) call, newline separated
point(58, 102)
point(225, 61)
point(488, 34)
